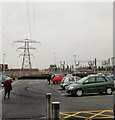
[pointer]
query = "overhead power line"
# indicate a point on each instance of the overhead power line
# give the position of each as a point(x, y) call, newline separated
point(29, 19)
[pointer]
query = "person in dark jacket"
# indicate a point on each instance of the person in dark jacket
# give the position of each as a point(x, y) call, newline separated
point(7, 88)
point(48, 79)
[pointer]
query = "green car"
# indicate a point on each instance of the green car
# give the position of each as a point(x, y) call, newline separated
point(68, 80)
point(91, 84)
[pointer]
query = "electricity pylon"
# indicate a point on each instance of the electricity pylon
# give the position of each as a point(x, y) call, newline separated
point(26, 61)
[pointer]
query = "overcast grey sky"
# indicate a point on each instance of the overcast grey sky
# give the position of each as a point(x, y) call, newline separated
point(84, 29)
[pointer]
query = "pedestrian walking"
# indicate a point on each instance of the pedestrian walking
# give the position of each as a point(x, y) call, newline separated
point(48, 79)
point(7, 88)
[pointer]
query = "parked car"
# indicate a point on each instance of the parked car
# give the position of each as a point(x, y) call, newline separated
point(69, 75)
point(68, 80)
point(91, 84)
point(3, 78)
point(57, 78)
point(113, 78)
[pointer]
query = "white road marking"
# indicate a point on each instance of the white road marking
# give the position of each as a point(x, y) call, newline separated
point(33, 82)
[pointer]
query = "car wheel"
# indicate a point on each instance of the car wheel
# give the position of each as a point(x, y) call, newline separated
point(79, 92)
point(65, 87)
point(109, 91)
point(55, 82)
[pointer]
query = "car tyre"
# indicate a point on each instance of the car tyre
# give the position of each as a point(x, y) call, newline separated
point(79, 92)
point(109, 91)
point(65, 87)
point(55, 82)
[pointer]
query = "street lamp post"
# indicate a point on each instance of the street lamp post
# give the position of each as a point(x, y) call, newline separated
point(3, 63)
point(54, 59)
point(113, 65)
point(75, 62)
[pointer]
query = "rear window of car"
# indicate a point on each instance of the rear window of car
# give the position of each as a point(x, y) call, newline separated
point(71, 79)
point(108, 79)
point(101, 79)
point(60, 76)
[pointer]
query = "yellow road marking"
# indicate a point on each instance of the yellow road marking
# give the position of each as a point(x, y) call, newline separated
point(94, 115)
point(72, 115)
point(97, 114)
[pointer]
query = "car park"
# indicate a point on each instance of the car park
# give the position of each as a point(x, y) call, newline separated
point(68, 80)
point(91, 84)
point(57, 78)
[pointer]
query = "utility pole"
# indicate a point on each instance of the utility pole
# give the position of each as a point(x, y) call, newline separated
point(26, 61)
point(113, 65)
point(75, 62)
point(3, 66)
point(54, 59)
point(95, 66)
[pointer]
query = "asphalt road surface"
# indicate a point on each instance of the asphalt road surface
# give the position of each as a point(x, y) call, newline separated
point(28, 102)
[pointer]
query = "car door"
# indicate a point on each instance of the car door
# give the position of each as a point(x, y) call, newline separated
point(101, 84)
point(89, 85)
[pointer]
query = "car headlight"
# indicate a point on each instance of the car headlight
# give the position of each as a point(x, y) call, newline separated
point(70, 88)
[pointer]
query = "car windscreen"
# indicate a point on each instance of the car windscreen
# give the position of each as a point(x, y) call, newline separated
point(82, 80)
point(63, 79)
point(66, 79)
point(77, 78)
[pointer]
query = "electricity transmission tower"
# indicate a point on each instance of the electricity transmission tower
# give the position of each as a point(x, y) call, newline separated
point(26, 61)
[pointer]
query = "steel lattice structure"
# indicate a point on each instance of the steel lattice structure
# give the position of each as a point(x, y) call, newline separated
point(26, 61)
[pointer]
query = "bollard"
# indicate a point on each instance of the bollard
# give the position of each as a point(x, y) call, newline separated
point(55, 110)
point(48, 108)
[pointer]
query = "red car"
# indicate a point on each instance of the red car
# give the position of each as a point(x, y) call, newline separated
point(57, 78)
